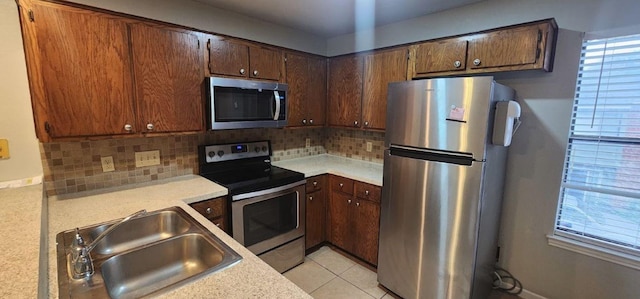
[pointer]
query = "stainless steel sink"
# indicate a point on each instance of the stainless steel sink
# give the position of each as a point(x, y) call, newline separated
point(140, 231)
point(146, 255)
point(159, 266)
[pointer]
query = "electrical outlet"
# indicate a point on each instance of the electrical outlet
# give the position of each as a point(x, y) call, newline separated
point(307, 142)
point(4, 149)
point(148, 158)
point(107, 164)
point(369, 146)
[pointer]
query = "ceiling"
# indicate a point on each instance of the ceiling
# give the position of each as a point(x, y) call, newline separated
point(330, 18)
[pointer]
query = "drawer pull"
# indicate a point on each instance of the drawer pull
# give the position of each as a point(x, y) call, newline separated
point(208, 210)
point(315, 183)
point(366, 192)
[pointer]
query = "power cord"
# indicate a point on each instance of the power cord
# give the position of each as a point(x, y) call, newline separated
point(506, 282)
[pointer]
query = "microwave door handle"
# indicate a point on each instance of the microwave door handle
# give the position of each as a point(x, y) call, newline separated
point(276, 95)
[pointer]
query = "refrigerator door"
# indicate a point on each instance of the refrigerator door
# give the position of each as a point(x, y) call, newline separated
point(429, 223)
point(447, 114)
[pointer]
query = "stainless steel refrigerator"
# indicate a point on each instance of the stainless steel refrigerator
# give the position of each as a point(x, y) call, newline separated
point(442, 188)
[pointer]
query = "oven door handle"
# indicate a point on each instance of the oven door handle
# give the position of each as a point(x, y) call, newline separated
point(265, 192)
point(298, 208)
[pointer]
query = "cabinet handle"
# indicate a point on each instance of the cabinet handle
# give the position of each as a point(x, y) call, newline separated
point(366, 192)
point(150, 126)
point(255, 72)
point(311, 121)
point(208, 210)
point(128, 127)
point(355, 123)
point(349, 201)
point(366, 123)
point(457, 64)
point(315, 183)
point(242, 71)
point(476, 62)
point(218, 224)
point(341, 185)
point(304, 121)
point(310, 198)
point(357, 204)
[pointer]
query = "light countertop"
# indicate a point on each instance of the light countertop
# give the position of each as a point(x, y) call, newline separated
point(363, 171)
point(20, 218)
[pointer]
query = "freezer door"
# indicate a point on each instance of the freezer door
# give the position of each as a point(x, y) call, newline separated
point(429, 225)
point(447, 113)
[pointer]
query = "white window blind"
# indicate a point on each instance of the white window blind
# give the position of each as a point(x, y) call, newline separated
point(600, 194)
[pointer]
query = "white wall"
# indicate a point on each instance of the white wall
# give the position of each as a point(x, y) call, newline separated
point(578, 15)
point(16, 120)
point(205, 17)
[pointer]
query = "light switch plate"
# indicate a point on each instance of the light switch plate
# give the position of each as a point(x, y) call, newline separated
point(4, 149)
point(107, 164)
point(307, 142)
point(148, 158)
point(369, 146)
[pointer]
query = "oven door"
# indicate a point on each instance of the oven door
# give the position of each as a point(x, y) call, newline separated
point(266, 219)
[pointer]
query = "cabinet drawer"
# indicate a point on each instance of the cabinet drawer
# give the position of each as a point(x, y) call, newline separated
point(315, 183)
point(367, 191)
point(212, 208)
point(340, 184)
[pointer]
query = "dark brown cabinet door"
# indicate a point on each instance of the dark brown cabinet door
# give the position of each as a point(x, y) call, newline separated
point(168, 79)
point(339, 224)
point(440, 56)
point(265, 63)
point(306, 77)
point(297, 68)
point(381, 69)
point(366, 222)
point(85, 72)
point(317, 92)
point(345, 91)
point(510, 47)
point(316, 213)
point(227, 57)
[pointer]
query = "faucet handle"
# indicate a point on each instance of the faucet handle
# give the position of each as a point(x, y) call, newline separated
point(82, 264)
point(77, 239)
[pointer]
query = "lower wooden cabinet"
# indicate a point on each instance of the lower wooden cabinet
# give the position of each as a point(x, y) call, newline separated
point(316, 211)
point(215, 210)
point(354, 217)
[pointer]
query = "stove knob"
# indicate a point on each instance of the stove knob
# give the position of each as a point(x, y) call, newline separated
point(211, 154)
point(220, 153)
point(264, 148)
point(257, 149)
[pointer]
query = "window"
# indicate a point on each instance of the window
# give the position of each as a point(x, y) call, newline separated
point(599, 202)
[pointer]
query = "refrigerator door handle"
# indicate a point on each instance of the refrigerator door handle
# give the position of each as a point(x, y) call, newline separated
point(459, 158)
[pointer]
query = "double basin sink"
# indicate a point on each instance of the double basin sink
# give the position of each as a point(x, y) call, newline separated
point(143, 256)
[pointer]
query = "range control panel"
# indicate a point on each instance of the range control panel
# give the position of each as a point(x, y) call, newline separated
point(234, 151)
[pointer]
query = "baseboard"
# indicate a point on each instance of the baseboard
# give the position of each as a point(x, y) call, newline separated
point(525, 294)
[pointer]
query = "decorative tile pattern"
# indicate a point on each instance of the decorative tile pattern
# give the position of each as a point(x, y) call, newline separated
point(71, 167)
point(353, 144)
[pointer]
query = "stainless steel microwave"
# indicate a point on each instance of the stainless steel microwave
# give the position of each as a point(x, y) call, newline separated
point(243, 104)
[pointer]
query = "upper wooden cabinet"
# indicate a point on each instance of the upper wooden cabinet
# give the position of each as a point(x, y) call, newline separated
point(96, 74)
point(230, 57)
point(307, 95)
point(527, 46)
point(344, 78)
point(448, 55)
point(380, 69)
point(358, 87)
point(79, 71)
point(168, 73)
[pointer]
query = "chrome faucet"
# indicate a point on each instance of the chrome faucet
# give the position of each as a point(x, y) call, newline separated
point(81, 262)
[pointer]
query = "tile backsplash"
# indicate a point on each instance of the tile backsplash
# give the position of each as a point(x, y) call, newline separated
point(71, 167)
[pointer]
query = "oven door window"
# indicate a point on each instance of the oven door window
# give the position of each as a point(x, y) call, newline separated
point(266, 219)
point(236, 104)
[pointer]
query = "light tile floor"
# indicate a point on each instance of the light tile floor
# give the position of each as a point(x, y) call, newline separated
point(326, 273)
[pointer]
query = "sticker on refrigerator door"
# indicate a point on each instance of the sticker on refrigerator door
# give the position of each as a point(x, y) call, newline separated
point(456, 114)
